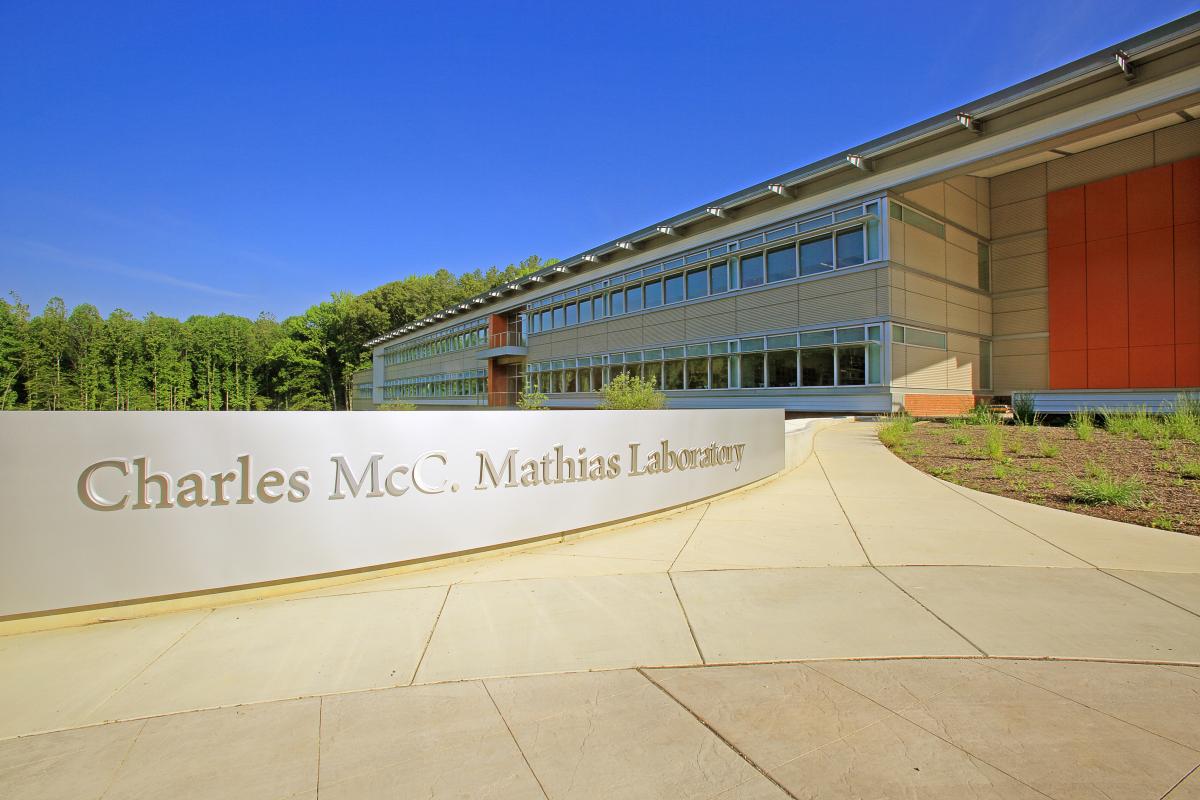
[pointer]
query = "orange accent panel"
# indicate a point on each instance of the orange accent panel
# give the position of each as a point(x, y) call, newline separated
point(1186, 179)
point(1187, 365)
point(1108, 368)
point(1152, 367)
point(1064, 217)
point(1187, 282)
point(1104, 208)
point(1068, 369)
point(1151, 288)
point(1068, 297)
point(1149, 198)
point(1107, 294)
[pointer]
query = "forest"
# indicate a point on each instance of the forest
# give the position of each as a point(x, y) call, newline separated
point(77, 359)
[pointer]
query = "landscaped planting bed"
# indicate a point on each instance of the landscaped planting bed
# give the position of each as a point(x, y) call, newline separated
point(1134, 467)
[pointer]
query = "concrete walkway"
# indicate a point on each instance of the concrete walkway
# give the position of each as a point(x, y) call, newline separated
point(853, 629)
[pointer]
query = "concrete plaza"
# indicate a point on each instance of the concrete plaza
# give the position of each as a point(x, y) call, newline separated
point(852, 629)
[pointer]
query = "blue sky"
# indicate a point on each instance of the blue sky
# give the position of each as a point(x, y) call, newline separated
point(190, 158)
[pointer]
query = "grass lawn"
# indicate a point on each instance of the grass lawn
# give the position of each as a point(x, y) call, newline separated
point(1133, 467)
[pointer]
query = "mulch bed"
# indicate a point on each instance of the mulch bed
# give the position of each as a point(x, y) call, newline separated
point(959, 455)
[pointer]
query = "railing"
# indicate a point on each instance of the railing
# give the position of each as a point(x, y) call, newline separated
point(507, 339)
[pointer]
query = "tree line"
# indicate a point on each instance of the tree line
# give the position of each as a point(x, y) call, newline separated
point(77, 359)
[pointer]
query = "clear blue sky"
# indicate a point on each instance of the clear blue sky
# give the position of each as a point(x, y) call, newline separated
point(216, 156)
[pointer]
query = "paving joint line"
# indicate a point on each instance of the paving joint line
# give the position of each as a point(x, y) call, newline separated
point(487, 690)
point(320, 736)
point(686, 618)
point(838, 498)
point(1178, 782)
point(133, 741)
point(932, 613)
point(1147, 591)
point(688, 541)
point(429, 638)
point(718, 734)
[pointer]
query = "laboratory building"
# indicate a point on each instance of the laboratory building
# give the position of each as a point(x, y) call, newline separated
point(1044, 240)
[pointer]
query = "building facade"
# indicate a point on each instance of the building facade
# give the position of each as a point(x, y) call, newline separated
point(1044, 240)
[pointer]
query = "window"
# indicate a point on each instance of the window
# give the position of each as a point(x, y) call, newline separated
point(781, 368)
point(653, 371)
point(719, 274)
point(697, 373)
point(754, 375)
point(781, 264)
point(985, 364)
point(598, 306)
point(585, 311)
point(654, 294)
point(720, 372)
point(673, 288)
point(816, 255)
point(672, 374)
point(751, 270)
point(850, 247)
point(559, 317)
point(568, 380)
point(633, 299)
point(597, 378)
point(546, 323)
point(585, 380)
point(985, 267)
point(919, 337)
point(852, 366)
point(616, 303)
point(572, 314)
point(816, 366)
point(697, 283)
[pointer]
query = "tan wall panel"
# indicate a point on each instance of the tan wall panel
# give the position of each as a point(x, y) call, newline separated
point(1177, 142)
point(959, 343)
point(931, 197)
point(1013, 373)
point(839, 307)
point(962, 297)
point(924, 251)
point(962, 371)
point(1020, 272)
point(1024, 216)
point(539, 352)
point(898, 303)
point(966, 319)
point(920, 308)
point(882, 300)
point(783, 315)
point(926, 369)
point(726, 305)
point(961, 208)
point(624, 339)
point(1020, 302)
point(667, 332)
point(1022, 184)
point(962, 266)
point(896, 241)
point(923, 285)
point(661, 316)
point(770, 297)
point(837, 284)
point(713, 325)
point(1034, 320)
point(899, 365)
point(967, 184)
point(1021, 347)
point(560, 349)
point(593, 344)
point(1099, 163)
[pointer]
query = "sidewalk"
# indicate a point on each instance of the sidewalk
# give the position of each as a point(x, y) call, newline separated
point(662, 660)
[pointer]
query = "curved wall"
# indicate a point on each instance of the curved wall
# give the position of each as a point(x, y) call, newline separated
point(252, 497)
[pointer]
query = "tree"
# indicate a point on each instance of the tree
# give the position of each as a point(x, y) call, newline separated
point(14, 347)
point(628, 392)
point(48, 341)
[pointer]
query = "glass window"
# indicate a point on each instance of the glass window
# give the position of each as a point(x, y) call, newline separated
point(616, 303)
point(816, 255)
point(654, 294)
point(985, 364)
point(751, 241)
point(754, 375)
point(568, 380)
point(597, 378)
point(533, 323)
point(719, 274)
point(749, 345)
point(781, 233)
point(598, 306)
point(781, 264)
point(816, 222)
point(672, 374)
point(720, 372)
point(585, 310)
point(559, 317)
point(816, 366)
point(697, 373)
point(633, 299)
point(923, 338)
point(752, 270)
point(572, 314)
point(551, 385)
point(852, 366)
point(652, 371)
point(781, 368)
point(673, 288)
point(694, 257)
point(810, 338)
point(585, 380)
point(697, 283)
point(985, 267)
point(850, 248)
point(781, 342)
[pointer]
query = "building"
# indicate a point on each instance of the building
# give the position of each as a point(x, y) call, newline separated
point(1043, 239)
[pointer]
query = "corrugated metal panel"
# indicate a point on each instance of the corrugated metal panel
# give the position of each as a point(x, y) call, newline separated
point(675, 314)
point(769, 297)
point(1117, 158)
point(1019, 246)
point(1066, 402)
point(726, 305)
point(962, 372)
point(713, 325)
point(620, 339)
point(1019, 371)
point(1021, 272)
point(961, 317)
point(668, 332)
point(1025, 216)
point(567, 348)
point(1017, 347)
point(1019, 185)
point(540, 351)
point(837, 284)
point(1034, 320)
point(593, 344)
point(926, 368)
point(1177, 142)
point(1020, 302)
point(919, 308)
point(899, 365)
point(882, 300)
point(767, 318)
point(839, 307)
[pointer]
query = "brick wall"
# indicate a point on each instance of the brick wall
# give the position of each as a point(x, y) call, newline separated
point(939, 405)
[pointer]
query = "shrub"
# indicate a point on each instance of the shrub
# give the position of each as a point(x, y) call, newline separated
point(981, 414)
point(961, 438)
point(1101, 488)
point(994, 444)
point(1163, 523)
point(1048, 449)
point(1138, 424)
point(1022, 405)
point(945, 473)
point(1084, 423)
point(1189, 470)
point(397, 406)
point(894, 433)
point(531, 401)
point(630, 393)
point(1184, 420)
point(1000, 471)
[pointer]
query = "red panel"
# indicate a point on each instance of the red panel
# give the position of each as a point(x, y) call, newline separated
point(1187, 282)
point(1151, 288)
point(1152, 367)
point(1107, 294)
point(1068, 298)
point(1105, 208)
point(1187, 365)
point(1149, 198)
point(1068, 369)
point(1108, 369)
point(1186, 179)
point(1064, 217)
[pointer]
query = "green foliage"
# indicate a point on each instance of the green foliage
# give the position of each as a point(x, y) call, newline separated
point(79, 360)
point(1189, 470)
point(1048, 449)
point(945, 473)
point(894, 433)
point(1163, 523)
point(397, 406)
point(1022, 406)
point(994, 444)
point(1084, 423)
point(628, 392)
point(532, 401)
point(1181, 422)
point(1000, 471)
point(1099, 487)
point(981, 414)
